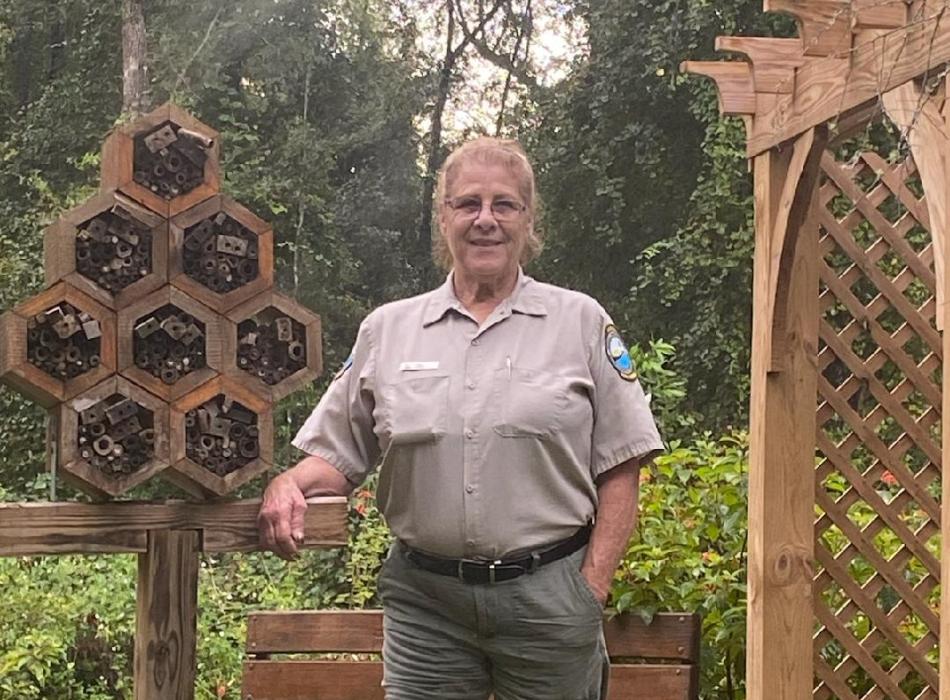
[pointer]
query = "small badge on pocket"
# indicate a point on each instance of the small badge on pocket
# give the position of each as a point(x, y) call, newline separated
point(618, 354)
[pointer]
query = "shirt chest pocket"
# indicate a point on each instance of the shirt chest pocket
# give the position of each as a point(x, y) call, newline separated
point(527, 402)
point(416, 408)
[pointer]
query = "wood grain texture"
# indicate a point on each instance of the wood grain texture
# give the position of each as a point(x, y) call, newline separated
point(88, 477)
point(734, 82)
point(314, 345)
point(879, 14)
point(59, 245)
point(117, 161)
point(824, 25)
point(20, 374)
point(265, 244)
point(670, 636)
point(77, 528)
point(773, 60)
point(945, 427)
point(828, 88)
point(205, 481)
point(214, 343)
point(166, 616)
point(793, 208)
point(781, 469)
point(360, 680)
point(212, 171)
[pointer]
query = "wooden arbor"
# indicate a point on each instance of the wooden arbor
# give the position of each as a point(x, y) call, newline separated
point(849, 294)
point(136, 372)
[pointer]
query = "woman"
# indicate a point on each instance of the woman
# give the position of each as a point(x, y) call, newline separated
point(509, 428)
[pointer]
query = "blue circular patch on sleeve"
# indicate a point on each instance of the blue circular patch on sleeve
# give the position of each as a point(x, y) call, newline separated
point(346, 365)
point(618, 354)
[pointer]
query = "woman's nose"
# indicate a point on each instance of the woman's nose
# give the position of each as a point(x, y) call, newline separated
point(485, 218)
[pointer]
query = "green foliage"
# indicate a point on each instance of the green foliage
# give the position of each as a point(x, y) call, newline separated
point(67, 623)
point(648, 202)
point(689, 552)
point(66, 627)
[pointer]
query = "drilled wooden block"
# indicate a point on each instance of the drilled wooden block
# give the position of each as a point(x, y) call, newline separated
point(106, 450)
point(273, 345)
point(199, 330)
point(37, 331)
point(206, 462)
point(220, 253)
point(110, 247)
point(183, 147)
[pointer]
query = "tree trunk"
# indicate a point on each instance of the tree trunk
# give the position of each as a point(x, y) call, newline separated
point(56, 20)
point(135, 99)
point(424, 261)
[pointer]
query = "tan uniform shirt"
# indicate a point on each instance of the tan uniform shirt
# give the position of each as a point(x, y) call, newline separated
point(491, 437)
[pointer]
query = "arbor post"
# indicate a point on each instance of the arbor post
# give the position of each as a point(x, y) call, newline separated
point(782, 431)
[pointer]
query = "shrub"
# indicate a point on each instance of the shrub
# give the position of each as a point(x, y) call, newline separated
point(689, 552)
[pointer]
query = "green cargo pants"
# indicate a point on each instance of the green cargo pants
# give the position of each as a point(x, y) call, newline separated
point(536, 637)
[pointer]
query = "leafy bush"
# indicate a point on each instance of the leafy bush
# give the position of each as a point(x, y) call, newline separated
point(689, 552)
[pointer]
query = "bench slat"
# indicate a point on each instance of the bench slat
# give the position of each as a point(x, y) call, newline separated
point(652, 682)
point(347, 680)
point(312, 680)
point(671, 636)
point(316, 631)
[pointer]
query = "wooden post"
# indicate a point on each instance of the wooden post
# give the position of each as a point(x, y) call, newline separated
point(782, 431)
point(943, 189)
point(166, 616)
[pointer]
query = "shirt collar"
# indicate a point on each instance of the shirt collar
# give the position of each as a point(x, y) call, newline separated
point(525, 299)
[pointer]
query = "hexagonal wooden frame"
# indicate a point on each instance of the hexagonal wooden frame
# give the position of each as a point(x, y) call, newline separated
point(299, 379)
point(176, 249)
point(192, 476)
point(117, 157)
point(59, 250)
point(22, 375)
point(84, 475)
point(214, 343)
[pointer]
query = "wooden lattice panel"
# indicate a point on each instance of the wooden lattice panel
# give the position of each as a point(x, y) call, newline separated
point(876, 586)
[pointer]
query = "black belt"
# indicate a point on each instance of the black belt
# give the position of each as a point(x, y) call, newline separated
point(480, 571)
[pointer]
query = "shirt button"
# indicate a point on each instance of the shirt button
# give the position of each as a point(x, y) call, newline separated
point(476, 341)
point(469, 489)
point(470, 384)
point(470, 433)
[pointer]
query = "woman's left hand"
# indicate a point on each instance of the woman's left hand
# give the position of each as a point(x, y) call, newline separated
point(600, 591)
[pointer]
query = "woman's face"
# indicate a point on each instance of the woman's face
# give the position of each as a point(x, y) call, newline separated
point(484, 220)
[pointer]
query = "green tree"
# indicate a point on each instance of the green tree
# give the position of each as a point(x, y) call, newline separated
point(647, 198)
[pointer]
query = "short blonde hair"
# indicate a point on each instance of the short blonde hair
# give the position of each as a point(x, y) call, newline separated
point(487, 150)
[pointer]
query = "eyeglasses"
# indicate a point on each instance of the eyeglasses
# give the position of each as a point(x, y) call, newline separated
point(471, 207)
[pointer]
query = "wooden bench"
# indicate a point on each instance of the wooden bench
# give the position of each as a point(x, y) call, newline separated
point(659, 661)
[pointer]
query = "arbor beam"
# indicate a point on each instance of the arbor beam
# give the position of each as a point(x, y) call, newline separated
point(829, 87)
point(773, 60)
point(733, 81)
point(823, 25)
point(123, 527)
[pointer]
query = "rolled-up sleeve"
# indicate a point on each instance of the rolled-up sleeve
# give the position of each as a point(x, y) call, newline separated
point(341, 428)
point(624, 427)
